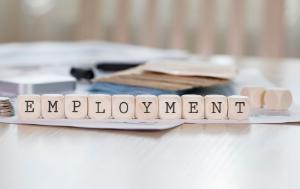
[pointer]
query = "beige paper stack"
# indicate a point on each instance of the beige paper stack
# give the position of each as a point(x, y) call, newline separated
point(173, 75)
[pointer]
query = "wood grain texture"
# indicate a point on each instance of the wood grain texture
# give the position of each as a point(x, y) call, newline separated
point(88, 24)
point(272, 42)
point(189, 156)
point(207, 28)
point(235, 41)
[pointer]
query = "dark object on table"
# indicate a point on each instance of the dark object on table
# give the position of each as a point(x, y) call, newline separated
point(112, 67)
point(82, 73)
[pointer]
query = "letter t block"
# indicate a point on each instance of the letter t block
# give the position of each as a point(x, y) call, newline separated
point(238, 107)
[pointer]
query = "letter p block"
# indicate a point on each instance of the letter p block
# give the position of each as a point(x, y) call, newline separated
point(76, 106)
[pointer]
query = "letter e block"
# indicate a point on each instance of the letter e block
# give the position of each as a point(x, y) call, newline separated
point(192, 107)
point(76, 106)
point(146, 107)
point(99, 106)
point(29, 107)
point(216, 107)
point(53, 106)
point(238, 107)
point(123, 106)
point(169, 107)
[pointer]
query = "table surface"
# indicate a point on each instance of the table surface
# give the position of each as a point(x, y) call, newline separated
point(189, 156)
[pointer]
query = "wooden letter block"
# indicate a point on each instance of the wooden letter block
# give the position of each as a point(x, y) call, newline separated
point(76, 106)
point(170, 107)
point(53, 106)
point(99, 106)
point(192, 106)
point(146, 107)
point(216, 107)
point(123, 106)
point(238, 107)
point(29, 106)
point(277, 99)
point(255, 95)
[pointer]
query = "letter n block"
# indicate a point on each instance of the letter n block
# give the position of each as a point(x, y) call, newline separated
point(146, 107)
point(123, 106)
point(169, 107)
point(216, 107)
point(29, 106)
point(192, 106)
point(76, 106)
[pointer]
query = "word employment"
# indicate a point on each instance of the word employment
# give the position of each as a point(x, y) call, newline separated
point(101, 106)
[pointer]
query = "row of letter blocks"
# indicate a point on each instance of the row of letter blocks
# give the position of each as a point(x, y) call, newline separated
point(102, 106)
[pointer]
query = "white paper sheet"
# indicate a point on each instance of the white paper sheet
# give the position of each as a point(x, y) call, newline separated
point(99, 124)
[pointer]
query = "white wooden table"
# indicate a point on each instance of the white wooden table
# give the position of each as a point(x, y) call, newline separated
point(189, 156)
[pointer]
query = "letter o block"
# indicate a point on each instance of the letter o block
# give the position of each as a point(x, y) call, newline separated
point(29, 107)
point(216, 107)
point(99, 106)
point(123, 106)
point(53, 106)
point(238, 107)
point(76, 106)
point(278, 99)
point(169, 107)
point(192, 106)
point(146, 107)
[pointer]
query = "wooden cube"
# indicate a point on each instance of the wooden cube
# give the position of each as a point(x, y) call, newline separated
point(238, 107)
point(29, 107)
point(123, 106)
point(99, 106)
point(255, 95)
point(216, 107)
point(53, 106)
point(76, 106)
point(146, 107)
point(169, 107)
point(278, 99)
point(192, 106)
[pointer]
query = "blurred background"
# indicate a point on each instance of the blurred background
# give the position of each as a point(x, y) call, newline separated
point(238, 27)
